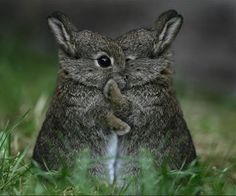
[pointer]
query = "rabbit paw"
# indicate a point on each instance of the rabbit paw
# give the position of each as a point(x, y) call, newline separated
point(122, 129)
point(111, 89)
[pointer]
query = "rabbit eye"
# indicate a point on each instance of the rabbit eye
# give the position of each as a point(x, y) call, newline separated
point(104, 61)
point(129, 58)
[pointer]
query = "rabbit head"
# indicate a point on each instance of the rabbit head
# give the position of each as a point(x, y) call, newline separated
point(147, 53)
point(86, 57)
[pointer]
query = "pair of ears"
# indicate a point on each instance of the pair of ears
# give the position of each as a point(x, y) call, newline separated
point(166, 27)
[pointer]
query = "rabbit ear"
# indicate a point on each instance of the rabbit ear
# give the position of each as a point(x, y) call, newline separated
point(63, 32)
point(167, 27)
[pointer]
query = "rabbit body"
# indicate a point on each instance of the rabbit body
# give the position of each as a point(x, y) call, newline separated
point(152, 110)
point(79, 117)
point(95, 105)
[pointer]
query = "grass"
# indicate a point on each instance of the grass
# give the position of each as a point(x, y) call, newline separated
point(19, 177)
point(27, 80)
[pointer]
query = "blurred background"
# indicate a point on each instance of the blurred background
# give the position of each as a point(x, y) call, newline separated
point(205, 48)
point(205, 53)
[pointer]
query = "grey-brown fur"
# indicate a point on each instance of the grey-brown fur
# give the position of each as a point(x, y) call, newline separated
point(137, 90)
point(154, 114)
point(78, 116)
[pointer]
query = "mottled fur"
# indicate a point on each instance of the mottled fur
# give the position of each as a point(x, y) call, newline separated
point(78, 116)
point(137, 90)
point(153, 112)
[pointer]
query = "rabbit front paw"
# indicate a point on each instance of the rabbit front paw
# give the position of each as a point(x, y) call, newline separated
point(121, 129)
point(111, 89)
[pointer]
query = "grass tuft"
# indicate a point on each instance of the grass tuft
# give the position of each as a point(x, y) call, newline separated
point(19, 176)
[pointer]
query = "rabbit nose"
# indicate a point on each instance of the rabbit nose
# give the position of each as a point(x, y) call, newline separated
point(120, 80)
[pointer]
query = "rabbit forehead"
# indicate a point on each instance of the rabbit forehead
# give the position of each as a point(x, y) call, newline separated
point(89, 43)
point(138, 42)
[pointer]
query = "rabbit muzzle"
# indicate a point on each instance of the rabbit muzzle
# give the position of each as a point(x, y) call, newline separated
point(119, 79)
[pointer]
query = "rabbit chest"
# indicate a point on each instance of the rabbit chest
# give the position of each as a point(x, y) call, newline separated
point(150, 104)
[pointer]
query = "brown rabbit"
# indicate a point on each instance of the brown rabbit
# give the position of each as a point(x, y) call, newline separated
point(136, 81)
point(78, 116)
point(149, 103)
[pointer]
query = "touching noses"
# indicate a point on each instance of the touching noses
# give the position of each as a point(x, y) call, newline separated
point(119, 72)
point(119, 79)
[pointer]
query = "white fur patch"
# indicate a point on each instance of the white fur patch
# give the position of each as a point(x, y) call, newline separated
point(111, 154)
point(131, 57)
point(169, 30)
point(59, 30)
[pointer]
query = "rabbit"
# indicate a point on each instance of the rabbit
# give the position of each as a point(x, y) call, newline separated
point(79, 117)
point(150, 106)
point(133, 87)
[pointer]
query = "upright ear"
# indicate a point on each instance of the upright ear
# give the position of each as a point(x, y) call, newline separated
point(63, 30)
point(167, 27)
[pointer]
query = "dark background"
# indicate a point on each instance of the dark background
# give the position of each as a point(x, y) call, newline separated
point(205, 48)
